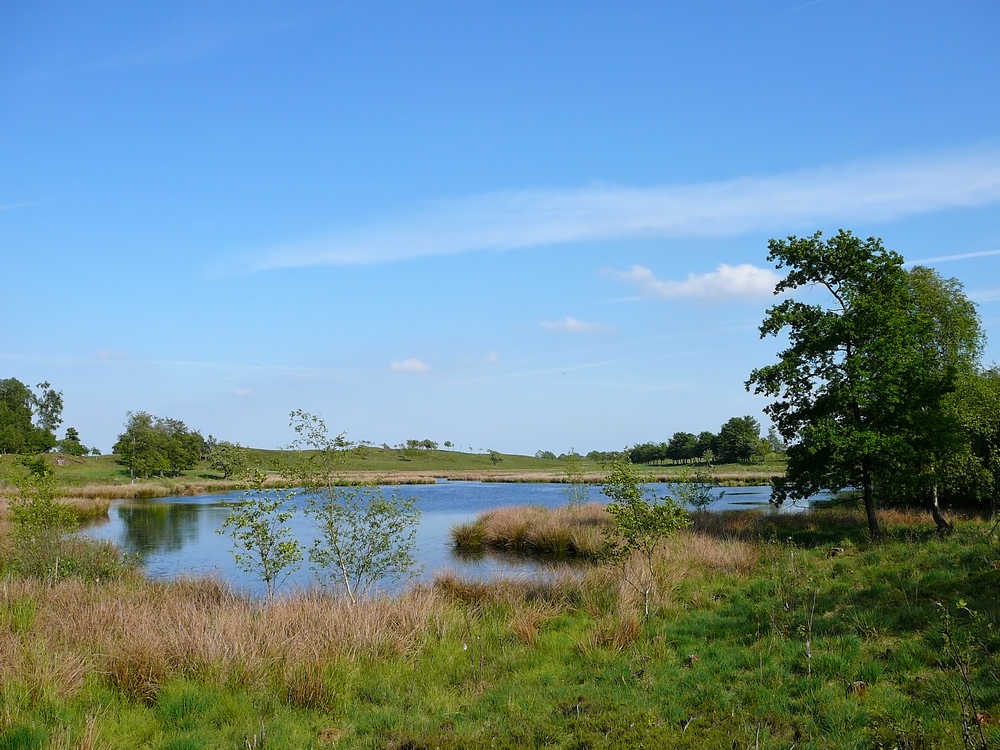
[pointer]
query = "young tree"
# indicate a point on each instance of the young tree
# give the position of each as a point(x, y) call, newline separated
point(38, 519)
point(495, 456)
point(577, 490)
point(854, 378)
point(232, 459)
point(695, 491)
point(641, 525)
point(364, 536)
point(258, 527)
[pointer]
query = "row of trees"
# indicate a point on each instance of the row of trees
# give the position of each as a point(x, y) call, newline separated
point(738, 441)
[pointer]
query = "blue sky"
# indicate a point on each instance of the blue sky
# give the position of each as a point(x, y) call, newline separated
point(511, 225)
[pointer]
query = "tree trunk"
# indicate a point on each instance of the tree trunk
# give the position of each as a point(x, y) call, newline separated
point(944, 528)
point(869, 496)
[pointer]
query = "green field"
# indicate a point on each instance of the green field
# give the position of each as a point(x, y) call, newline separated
point(81, 476)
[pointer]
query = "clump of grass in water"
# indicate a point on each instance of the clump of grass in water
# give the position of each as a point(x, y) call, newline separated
point(570, 531)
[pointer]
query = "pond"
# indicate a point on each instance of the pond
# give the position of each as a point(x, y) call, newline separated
point(176, 536)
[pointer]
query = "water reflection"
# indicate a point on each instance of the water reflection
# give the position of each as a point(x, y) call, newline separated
point(177, 536)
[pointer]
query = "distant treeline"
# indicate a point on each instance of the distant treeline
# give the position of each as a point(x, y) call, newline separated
point(738, 441)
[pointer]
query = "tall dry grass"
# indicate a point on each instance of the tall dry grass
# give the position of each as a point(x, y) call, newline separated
point(84, 508)
point(137, 636)
point(753, 524)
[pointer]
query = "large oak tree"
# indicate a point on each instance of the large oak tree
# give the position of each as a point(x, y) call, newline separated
point(862, 387)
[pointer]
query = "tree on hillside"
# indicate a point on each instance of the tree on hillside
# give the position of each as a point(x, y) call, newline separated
point(855, 378)
point(28, 420)
point(232, 459)
point(153, 445)
point(71, 444)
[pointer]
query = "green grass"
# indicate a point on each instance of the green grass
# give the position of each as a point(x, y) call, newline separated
point(752, 644)
point(84, 476)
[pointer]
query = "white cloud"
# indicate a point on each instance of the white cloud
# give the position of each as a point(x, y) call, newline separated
point(410, 365)
point(985, 295)
point(108, 354)
point(572, 325)
point(957, 256)
point(492, 358)
point(725, 283)
point(243, 392)
point(876, 190)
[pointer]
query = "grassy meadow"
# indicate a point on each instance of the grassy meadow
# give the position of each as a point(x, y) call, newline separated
point(766, 632)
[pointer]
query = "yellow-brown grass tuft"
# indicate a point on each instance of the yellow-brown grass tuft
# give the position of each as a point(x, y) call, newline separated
point(578, 531)
point(528, 620)
point(140, 634)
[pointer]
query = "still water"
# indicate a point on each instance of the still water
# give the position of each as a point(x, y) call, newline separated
point(176, 536)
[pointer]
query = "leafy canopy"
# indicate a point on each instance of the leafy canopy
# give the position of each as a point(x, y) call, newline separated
point(874, 358)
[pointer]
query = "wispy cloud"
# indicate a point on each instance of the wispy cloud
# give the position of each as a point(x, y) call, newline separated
point(874, 190)
point(492, 358)
point(957, 256)
point(572, 325)
point(21, 204)
point(985, 295)
point(544, 372)
point(243, 392)
point(410, 365)
point(109, 354)
point(203, 31)
point(727, 282)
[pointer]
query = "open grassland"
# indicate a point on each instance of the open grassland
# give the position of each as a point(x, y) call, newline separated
point(101, 477)
point(767, 632)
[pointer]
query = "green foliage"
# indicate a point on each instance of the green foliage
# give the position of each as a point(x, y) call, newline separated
point(365, 537)
point(28, 420)
point(694, 491)
point(258, 527)
point(232, 459)
point(495, 456)
point(739, 441)
point(71, 445)
point(861, 388)
point(38, 520)
point(155, 445)
point(641, 525)
point(577, 490)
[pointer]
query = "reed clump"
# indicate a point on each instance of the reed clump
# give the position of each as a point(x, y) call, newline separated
point(569, 531)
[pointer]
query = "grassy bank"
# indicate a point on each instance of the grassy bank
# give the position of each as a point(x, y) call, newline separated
point(83, 478)
point(767, 633)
